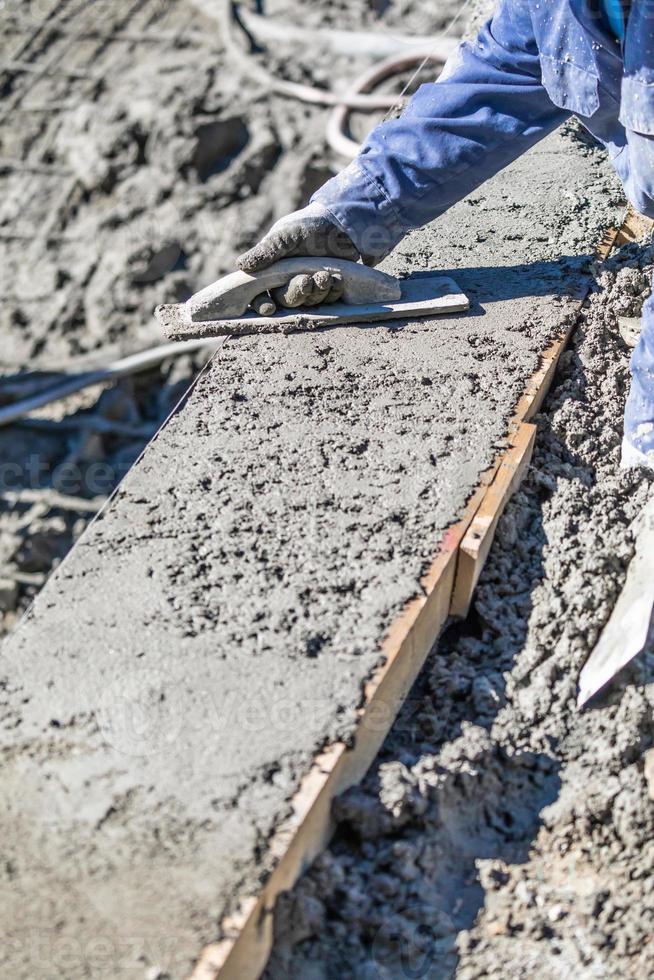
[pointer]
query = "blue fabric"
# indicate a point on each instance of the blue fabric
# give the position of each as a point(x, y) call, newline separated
point(614, 16)
point(533, 64)
point(639, 412)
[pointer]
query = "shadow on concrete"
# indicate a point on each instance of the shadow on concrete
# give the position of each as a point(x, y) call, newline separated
point(489, 284)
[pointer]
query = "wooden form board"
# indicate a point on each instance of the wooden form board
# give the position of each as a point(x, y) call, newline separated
point(505, 475)
point(448, 588)
point(478, 538)
point(244, 953)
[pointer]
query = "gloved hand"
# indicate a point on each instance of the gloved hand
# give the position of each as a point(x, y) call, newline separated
point(310, 231)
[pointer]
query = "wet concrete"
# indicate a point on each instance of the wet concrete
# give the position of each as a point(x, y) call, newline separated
point(213, 629)
point(502, 832)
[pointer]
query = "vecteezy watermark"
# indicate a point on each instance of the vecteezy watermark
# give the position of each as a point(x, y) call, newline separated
point(105, 957)
point(104, 13)
point(417, 943)
point(144, 711)
point(35, 472)
point(149, 245)
point(34, 11)
point(141, 712)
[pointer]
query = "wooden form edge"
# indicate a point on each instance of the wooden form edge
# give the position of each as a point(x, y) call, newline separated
point(477, 541)
point(510, 469)
point(243, 954)
point(447, 591)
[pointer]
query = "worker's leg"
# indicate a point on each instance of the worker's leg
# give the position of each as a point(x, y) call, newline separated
point(638, 446)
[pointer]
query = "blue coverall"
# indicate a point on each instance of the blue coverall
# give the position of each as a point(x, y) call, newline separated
point(535, 63)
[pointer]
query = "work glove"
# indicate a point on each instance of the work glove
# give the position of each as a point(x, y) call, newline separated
point(310, 231)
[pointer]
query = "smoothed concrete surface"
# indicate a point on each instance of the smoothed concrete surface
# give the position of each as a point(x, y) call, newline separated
point(214, 628)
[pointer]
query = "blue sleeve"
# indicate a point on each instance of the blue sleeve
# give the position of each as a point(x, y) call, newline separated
point(639, 410)
point(487, 108)
point(634, 160)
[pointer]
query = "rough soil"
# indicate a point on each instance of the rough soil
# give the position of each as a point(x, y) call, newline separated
point(501, 832)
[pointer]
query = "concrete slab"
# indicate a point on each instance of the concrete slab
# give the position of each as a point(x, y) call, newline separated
point(214, 629)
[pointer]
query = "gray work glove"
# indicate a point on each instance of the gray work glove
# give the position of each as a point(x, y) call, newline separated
point(310, 231)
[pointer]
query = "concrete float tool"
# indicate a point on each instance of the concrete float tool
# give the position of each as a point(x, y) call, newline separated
point(368, 296)
point(630, 625)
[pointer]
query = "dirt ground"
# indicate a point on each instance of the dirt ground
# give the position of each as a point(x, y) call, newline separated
point(501, 832)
